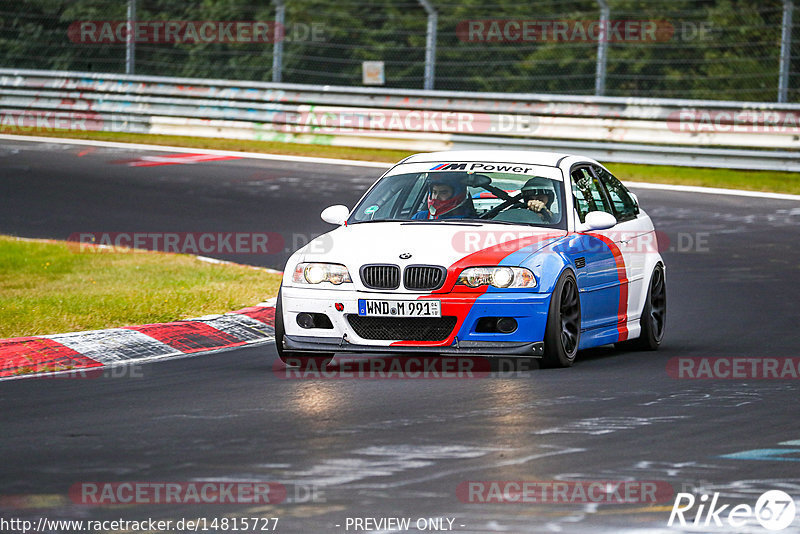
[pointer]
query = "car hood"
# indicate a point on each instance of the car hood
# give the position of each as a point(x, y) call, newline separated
point(440, 243)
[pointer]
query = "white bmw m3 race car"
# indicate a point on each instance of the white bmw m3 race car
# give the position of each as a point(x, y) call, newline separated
point(497, 253)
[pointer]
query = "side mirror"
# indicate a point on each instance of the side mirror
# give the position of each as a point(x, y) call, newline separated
point(599, 220)
point(335, 214)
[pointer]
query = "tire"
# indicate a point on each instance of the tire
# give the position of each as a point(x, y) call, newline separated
point(291, 358)
point(654, 314)
point(562, 334)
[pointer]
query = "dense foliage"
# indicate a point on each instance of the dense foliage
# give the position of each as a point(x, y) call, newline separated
point(720, 49)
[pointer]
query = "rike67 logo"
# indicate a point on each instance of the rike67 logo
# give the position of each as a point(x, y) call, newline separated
point(774, 510)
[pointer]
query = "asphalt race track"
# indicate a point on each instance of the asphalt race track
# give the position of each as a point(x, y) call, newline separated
point(352, 448)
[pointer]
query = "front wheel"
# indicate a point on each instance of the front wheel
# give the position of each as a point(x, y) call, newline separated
point(563, 331)
point(295, 359)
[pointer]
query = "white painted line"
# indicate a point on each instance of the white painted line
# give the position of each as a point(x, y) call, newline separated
point(215, 261)
point(712, 191)
point(163, 148)
point(356, 163)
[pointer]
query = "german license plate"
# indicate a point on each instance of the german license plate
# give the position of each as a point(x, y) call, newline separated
point(399, 308)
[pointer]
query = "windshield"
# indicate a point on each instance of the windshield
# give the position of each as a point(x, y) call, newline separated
point(498, 197)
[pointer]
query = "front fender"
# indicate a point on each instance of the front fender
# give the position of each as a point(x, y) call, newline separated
point(547, 265)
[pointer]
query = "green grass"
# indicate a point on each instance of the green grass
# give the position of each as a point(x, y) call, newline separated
point(52, 287)
point(773, 181)
point(240, 145)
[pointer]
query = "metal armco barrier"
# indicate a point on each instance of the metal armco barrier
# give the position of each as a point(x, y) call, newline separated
point(743, 135)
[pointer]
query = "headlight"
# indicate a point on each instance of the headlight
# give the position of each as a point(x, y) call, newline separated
point(316, 273)
point(497, 276)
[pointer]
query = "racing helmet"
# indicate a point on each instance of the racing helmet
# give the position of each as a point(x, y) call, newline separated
point(456, 182)
point(539, 186)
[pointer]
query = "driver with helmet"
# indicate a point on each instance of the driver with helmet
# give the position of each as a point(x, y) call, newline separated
point(447, 198)
point(538, 194)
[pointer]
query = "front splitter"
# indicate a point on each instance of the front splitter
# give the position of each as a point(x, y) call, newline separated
point(312, 344)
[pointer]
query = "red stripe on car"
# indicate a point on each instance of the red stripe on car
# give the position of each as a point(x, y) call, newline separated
point(467, 296)
point(622, 276)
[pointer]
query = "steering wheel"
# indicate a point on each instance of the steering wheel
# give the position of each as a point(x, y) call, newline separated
point(500, 207)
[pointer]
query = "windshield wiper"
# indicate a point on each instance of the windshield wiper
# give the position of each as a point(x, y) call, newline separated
point(462, 222)
point(512, 223)
point(378, 220)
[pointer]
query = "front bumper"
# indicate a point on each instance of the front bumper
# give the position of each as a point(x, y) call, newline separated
point(527, 308)
point(310, 344)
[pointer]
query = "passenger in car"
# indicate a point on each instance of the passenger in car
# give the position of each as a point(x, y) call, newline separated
point(447, 198)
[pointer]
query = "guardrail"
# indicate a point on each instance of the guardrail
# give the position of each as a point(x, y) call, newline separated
point(744, 135)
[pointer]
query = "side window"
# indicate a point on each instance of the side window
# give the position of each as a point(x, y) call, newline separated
point(588, 193)
point(625, 207)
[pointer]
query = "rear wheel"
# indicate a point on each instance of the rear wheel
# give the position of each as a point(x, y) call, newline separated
point(654, 315)
point(563, 331)
point(291, 358)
